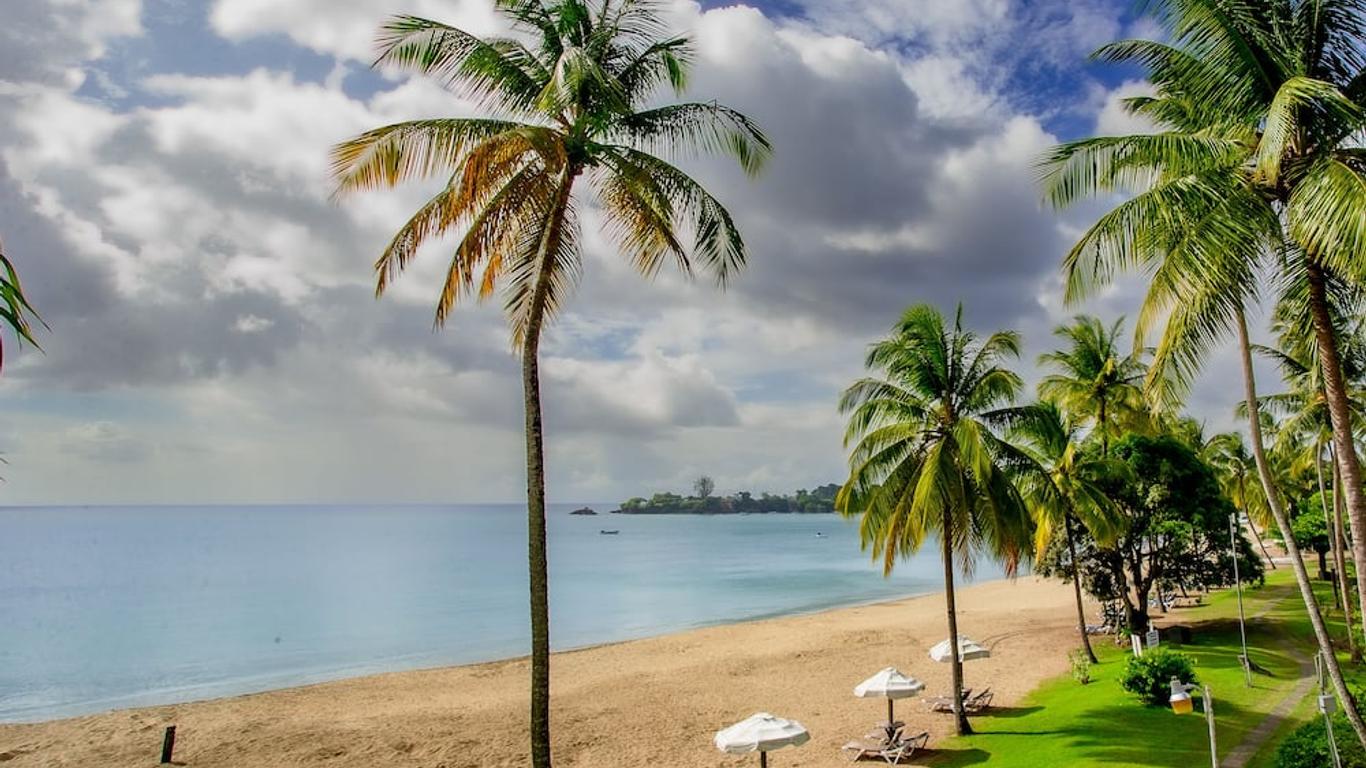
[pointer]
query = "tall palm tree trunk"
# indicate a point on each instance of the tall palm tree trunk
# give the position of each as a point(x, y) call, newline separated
point(1341, 416)
point(1340, 559)
point(1076, 588)
point(537, 560)
point(960, 715)
point(1311, 603)
point(1104, 433)
point(1323, 504)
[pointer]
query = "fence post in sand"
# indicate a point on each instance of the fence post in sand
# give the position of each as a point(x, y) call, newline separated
point(168, 744)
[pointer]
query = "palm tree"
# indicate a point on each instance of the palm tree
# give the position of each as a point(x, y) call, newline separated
point(926, 460)
point(1256, 102)
point(1062, 489)
point(571, 95)
point(1093, 382)
point(14, 307)
point(1227, 453)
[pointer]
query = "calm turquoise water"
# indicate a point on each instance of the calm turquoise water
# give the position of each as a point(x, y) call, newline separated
point(102, 608)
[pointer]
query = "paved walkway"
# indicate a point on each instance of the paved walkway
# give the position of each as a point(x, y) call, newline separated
point(1258, 736)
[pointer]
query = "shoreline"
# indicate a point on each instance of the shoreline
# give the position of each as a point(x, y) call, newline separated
point(386, 667)
point(651, 700)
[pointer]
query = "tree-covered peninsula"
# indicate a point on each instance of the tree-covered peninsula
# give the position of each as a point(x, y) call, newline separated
point(819, 500)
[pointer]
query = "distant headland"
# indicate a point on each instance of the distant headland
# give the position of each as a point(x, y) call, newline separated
point(819, 500)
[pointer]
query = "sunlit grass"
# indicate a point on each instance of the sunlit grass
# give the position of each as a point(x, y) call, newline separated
point(1305, 710)
point(1065, 723)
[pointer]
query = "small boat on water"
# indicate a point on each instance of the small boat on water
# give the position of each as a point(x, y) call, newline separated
point(605, 532)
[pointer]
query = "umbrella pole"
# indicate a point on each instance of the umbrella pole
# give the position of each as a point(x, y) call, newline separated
point(890, 718)
point(763, 760)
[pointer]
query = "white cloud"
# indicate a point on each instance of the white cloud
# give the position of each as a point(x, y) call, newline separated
point(252, 324)
point(345, 28)
point(1115, 120)
point(53, 42)
point(193, 268)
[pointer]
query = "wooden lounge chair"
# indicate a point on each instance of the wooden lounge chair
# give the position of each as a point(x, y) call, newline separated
point(893, 752)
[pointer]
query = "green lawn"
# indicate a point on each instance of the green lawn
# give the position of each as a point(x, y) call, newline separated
point(1065, 723)
point(1356, 674)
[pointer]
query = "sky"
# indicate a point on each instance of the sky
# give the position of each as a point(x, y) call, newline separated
point(214, 337)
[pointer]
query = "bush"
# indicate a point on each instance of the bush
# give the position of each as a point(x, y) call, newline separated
point(1081, 666)
point(1307, 746)
point(1149, 676)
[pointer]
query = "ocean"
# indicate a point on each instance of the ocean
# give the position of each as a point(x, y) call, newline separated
point(110, 607)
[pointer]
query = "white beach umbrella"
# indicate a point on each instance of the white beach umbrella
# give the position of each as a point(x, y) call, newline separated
point(889, 684)
point(968, 649)
point(762, 733)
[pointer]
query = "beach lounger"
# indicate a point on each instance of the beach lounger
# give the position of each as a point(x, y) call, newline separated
point(978, 702)
point(893, 752)
point(945, 703)
point(887, 732)
point(972, 703)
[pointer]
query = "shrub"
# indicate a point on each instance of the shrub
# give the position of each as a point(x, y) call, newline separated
point(1081, 666)
point(1307, 746)
point(1149, 676)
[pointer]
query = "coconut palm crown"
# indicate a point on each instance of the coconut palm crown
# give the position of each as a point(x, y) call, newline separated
point(570, 93)
point(1093, 381)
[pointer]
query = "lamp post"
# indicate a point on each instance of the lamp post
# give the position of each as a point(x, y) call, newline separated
point(1182, 705)
point(1327, 705)
point(1238, 584)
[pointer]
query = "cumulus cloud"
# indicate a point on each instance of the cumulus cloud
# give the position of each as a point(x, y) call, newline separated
point(52, 43)
point(345, 28)
point(215, 336)
point(1115, 120)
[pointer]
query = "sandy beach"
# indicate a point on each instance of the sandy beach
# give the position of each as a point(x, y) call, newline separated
point(646, 702)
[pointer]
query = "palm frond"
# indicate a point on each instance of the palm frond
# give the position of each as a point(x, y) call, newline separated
point(695, 128)
point(1325, 216)
point(498, 74)
point(414, 150)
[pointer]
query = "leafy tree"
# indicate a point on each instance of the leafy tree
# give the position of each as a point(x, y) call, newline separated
point(1175, 529)
point(1311, 531)
point(1255, 168)
point(1093, 382)
point(1062, 486)
point(573, 94)
point(926, 459)
point(703, 487)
